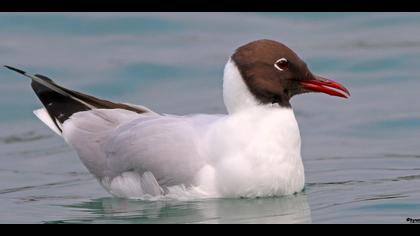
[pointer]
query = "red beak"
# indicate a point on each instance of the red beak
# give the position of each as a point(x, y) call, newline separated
point(323, 85)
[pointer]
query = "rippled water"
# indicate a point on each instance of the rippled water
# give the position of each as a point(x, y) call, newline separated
point(361, 156)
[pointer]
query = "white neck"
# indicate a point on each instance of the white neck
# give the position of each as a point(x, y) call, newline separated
point(236, 94)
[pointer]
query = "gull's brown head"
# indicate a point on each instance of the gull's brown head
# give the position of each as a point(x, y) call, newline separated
point(274, 73)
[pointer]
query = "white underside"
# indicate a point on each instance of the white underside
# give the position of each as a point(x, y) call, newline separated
point(252, 152)
point(43, 115)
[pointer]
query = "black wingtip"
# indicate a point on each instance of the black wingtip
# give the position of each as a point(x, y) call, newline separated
point(15, 69)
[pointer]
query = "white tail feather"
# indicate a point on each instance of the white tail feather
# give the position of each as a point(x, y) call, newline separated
point(43, 115)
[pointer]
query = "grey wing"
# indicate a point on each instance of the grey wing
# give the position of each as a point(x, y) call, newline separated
point(169, 147)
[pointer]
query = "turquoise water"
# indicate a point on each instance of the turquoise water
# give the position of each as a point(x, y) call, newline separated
point(361, 156)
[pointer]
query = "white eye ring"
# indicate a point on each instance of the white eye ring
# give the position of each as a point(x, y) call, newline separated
point(280, 60)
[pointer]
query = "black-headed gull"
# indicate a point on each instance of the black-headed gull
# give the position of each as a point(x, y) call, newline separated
point(253, 151)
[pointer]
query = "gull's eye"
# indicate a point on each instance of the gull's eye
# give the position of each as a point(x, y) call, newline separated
point(281, 64)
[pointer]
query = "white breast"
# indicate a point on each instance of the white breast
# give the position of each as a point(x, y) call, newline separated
point(256, 152)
